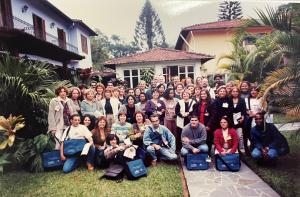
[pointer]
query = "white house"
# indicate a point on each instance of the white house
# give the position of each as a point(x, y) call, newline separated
point(38, 30)
point(166, 62)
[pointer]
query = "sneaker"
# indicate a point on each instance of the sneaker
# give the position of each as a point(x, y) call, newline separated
point(208, 159)
point(90, 167)
point(153, 163)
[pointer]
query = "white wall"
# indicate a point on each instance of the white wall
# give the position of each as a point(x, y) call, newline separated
point(72, 31)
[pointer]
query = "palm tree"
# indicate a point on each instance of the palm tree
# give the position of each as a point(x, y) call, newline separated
point(26, 88)
point(282, 84)
point(239, 69)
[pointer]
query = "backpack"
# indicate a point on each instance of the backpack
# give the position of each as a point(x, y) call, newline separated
point(114, 172)
point(135, 169)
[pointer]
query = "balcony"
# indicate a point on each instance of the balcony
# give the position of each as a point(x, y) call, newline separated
point(28, 28)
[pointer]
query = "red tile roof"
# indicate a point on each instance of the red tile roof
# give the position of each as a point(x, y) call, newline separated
point(216, 25)
point(159, 54)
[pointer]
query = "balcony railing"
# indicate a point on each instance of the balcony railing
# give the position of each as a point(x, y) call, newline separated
point(28, 28)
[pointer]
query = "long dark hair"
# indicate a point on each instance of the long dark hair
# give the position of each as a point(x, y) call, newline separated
point(208, 99)
point(167, 93)
point(92, 118)
point(110, 137)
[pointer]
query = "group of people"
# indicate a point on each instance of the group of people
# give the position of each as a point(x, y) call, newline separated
point(163, 119)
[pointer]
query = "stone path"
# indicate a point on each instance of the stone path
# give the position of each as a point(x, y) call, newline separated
point(288, 126)
point(212, 183)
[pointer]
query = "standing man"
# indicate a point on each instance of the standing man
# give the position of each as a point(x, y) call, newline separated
point(206, 86)
point(193, 137)
point(159, 140)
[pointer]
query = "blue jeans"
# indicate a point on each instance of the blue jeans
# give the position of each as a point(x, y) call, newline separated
point(72, 162)
point(202, 148)
point(272, 153)
point(165, 153)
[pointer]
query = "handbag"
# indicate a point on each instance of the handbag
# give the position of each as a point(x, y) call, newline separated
point(51, 160)
point(114, 172)
point(135, 169)
point(197, 161)
point(73, 147)
point(230, 162)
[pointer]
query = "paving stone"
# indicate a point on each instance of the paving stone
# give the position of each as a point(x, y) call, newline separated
point(214, 183)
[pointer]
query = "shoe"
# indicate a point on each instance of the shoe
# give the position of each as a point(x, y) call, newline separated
point(153, 163)
point(90, 167)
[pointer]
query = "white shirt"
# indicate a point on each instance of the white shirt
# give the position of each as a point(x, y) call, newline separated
point(79, 132)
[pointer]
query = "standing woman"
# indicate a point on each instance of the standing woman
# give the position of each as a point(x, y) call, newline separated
point(204, 110)
point(197, 95)
point(90, 105)
point(161, 90)
point(75, 94)
point(99, 91)
point(170, 116)
point(143, 100)
point(226, 139)
point(223, 105)
point(61, 109)
point(178, 90)
point(100, 133)
point(137, 92)
point(129, 109)
point(191, 89)
point(198, 81)
point(239, 108)
point(155, 105)
point(137, 133)
point(245, 89)
point(183, 110)
point(110, 106)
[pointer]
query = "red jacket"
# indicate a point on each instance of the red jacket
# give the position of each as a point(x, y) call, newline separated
point(232, 143)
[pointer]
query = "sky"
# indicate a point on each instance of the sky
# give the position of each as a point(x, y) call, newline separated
point(119, 16)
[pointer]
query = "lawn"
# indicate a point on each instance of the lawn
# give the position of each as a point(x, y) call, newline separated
point(285, 176)
point(163, 180)
point(280, 118)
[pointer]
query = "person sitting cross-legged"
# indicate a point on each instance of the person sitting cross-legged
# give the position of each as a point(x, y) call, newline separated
point(268, 142)
point(159, 140)
point(193, 137)
point(77, 131)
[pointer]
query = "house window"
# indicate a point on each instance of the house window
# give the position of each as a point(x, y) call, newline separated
point(61, 38)
point(39, 27)
point(84, 45)
point(132, 76)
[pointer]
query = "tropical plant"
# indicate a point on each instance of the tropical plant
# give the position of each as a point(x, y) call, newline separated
point(147, 75)
point(26, 88)
point(29, 152)
point(230, 10)
point(148, 31)
point(236, 61)
point(8, 129)
point(282, 85)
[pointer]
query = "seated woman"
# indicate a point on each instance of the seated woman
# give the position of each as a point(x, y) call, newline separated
point(226, 139)
point(88, 121)
point(90, 105)
point(114, 151)
point(77, 131)
point(99, 136)
point(137, 132)
point(121, 128)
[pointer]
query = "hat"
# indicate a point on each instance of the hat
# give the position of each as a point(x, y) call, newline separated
point(130, 152)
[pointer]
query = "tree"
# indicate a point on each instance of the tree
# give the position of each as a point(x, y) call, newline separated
point(99, 48)
point(230, 10)
point(118, 48)
point(148, 31)
point(282, 85)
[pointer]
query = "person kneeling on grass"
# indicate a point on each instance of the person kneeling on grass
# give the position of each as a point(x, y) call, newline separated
point(269, 143)
point(159, 140)
point(193, 137)
point(77, 131)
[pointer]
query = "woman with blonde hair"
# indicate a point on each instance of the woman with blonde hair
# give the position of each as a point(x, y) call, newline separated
point(90, 105)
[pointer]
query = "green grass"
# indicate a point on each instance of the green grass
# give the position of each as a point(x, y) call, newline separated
point(163, 180)
point(280, 118)
point(285, 176)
